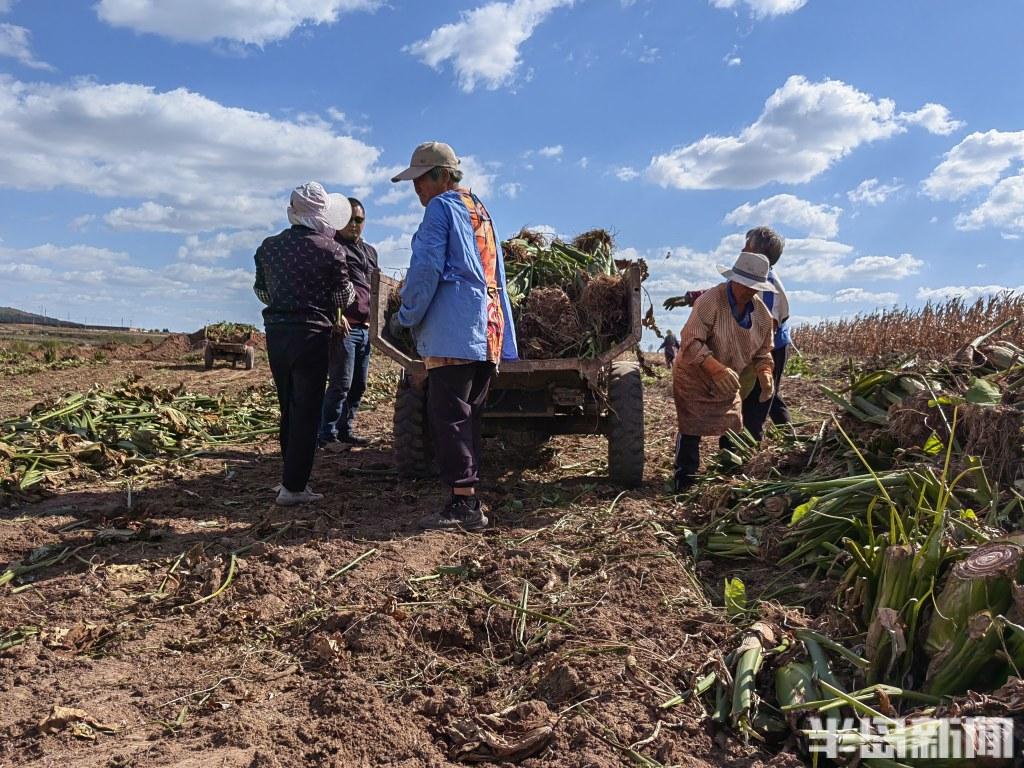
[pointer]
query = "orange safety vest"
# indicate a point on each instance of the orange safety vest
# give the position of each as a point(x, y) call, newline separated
point(486, 245)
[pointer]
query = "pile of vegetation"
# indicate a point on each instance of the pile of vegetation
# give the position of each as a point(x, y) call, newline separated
point(124, 431)
point(229, 333)
point(907, 511)
point(568, 299)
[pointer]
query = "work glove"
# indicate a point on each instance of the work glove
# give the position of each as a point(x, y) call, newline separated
point(724, 380)
point(395, 328)
point(767, 381)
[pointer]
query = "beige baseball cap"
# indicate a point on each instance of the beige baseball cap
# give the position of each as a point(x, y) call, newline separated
point(432, 154)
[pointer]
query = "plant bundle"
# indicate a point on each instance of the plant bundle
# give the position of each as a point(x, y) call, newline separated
point(584, 274)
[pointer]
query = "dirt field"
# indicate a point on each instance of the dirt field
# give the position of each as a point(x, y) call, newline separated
point(207, 627)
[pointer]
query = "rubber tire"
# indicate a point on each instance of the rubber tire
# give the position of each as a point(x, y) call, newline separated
point(250, 358)
point(208, 357)
point(626, 425)
point(414, 456)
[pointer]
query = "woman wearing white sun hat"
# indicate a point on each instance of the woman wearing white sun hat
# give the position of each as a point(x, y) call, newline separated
point(302, 277)
point(728, 331)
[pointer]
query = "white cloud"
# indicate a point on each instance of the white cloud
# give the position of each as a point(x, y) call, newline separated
point(6, 5)
point(197, 216)
point(789, 210)
point(808, 297)
point(393, 253)
point(397, 193)
point(403, 222)
point(803, 129)
point(16, 43)
point(873, 192)
point(977, 161)
point(554, 151)
point(733, 61)
point(763, 8)
point(483, 46)
point(813, 260)
point(478, 175)
point(626, 173)
point(584, 162)
point(1005, 236)
point(193, 164)
point(980, 161)
point(934, 118)
point(221, 245)
point(511, 190)
point(244, 21)
point(966, 292)
point(233, 279)
point(1004, 208)
point(346, 123)
point(74, 256)
point(859, 295)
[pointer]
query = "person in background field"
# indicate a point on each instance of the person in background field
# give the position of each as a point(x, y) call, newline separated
point(671, 345)
point(350, 355)
point(454, 300)
point(768, 243)
point(729, 329)
point(302, 277)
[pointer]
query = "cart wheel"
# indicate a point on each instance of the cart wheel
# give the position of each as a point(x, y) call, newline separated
point(250, 358)
point(626, 425)
point(413, 454)
point(208, 357)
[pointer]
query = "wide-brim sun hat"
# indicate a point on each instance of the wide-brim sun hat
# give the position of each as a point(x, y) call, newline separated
point(429, 155)
point(339, 209)
point(751, 270)
point(310, 202)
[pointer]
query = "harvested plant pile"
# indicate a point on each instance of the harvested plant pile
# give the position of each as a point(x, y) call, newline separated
point(934, 330)
point(908, 512)
point(123, 432)
point(570, 300)
point(229, 333)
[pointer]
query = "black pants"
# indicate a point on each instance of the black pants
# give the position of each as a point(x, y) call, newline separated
point(298, 359)
point(755, 412)
point(688, 458)
point(456, 395)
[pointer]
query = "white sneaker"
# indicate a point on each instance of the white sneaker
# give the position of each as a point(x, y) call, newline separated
point(286, 498)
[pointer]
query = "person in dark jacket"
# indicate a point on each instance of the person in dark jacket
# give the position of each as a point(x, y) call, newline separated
point(302, 277)
point(350, 355)
point(671, 346)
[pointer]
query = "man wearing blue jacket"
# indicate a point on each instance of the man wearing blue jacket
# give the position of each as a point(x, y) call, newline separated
point(455, 302)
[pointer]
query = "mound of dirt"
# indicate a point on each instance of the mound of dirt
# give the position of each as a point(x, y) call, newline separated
point(174, 347)
point(549, 324)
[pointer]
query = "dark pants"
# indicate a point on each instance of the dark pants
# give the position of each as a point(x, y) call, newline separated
point(688, 458)
point(755, 412)
point(298, 360)
point(349, 366)
point(670, 357)
point(456, 395)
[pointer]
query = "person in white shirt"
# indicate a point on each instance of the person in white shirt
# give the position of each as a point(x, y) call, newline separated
point(770, 244)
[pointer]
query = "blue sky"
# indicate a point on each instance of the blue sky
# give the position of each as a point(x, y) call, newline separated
point(148, 146)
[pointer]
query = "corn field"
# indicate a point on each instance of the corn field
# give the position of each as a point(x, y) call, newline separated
point(935, 329)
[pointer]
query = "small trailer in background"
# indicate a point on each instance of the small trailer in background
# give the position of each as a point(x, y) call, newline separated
point(531, 399)
point(228, 341)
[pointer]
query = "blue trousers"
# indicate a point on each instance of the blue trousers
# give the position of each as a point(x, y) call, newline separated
point(349, 366)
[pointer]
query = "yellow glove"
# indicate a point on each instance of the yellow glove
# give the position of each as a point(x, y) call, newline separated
point(724, 379)
point(766, 379)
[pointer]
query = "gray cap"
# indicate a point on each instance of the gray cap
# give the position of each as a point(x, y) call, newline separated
point(432, 154)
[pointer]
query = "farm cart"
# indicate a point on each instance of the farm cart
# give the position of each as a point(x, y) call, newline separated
point(236, 347)
point(531, 400)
